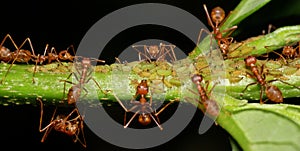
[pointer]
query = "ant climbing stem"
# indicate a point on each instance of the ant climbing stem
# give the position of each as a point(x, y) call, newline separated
point(156, 52)
point(210, 105)
point(273, 93)
point(143, 107)
point(64, 124)
point(83, 74)
point(19, 55)
point(216, 20)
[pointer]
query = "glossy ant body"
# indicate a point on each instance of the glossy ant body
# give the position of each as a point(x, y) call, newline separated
point(216, 20)
point(143, 107)
point(273, 93)
point(72, 125)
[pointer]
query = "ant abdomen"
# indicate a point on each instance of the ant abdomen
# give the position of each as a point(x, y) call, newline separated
point(274, 94)
point(144, 119)
point(212, 107)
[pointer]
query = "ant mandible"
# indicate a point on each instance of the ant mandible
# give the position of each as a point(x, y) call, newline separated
point(64, 124)
point(218, 17)
point(273, 93)
point(145, 110)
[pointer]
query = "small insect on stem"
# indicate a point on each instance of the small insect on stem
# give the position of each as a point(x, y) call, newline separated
point(142, 107)
point(273, 93)
point(156, 52)
point(71, 124)
point(83, 71)
point(216, 19)
point(210, 105)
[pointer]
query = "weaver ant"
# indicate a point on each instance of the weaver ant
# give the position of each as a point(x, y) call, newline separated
point(63, 55)
point(216, 20)
point(83, 74)
point(19, 55)
point(273, 93)
point(210, 105)
point(143, 107)
point(156, 52)
point(290, 52)
point(72, 125)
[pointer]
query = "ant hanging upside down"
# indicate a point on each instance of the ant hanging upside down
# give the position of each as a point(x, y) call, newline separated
point(72, 125)
point(144, 108)
point(273, 93)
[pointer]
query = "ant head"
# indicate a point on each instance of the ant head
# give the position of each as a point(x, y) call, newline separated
point(142, 88)
point(197, 78)
point(287, 50)
point(153, 50)
point(250, 60)
point(217, 15)
point(144, 119)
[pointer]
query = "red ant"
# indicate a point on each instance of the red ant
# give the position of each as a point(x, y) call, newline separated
point(83, 74)
point(19, 55)
point(156, 53)
point(273, 93)
point(145, 110)
point(64, 124)
point(24, 56)
point(51, 56)
point(218, 17)
point(210, 105)
point(290, 52)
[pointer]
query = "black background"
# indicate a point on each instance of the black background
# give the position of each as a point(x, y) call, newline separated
point(61, 23)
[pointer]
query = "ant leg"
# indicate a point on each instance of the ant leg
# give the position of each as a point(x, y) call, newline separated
point(34, 71)
point(65, 81)
point(41, 116)
point(248, 86)
point(98, 85)
point(16, 47)
point(162, 109)
point(156, 122)
point(232, 29)
point(126, 110)
point(131, 118)
point(209, 93)
point(261, 95)
point(200, 34)
point(49, 127)
point(141, 53)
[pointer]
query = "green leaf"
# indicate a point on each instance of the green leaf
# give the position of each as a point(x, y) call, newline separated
point(242, 11)
point(261, 127)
